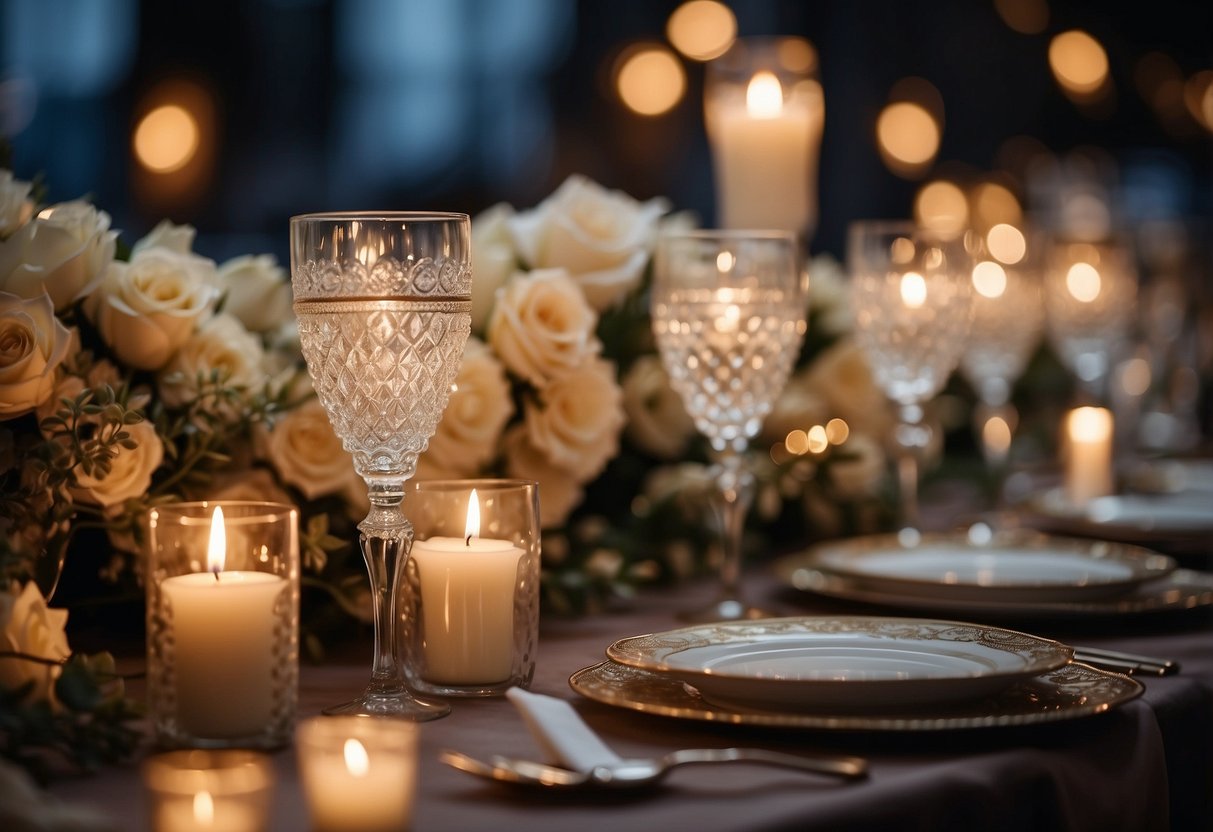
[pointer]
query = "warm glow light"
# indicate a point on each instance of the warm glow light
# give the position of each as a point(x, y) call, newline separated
point(472, 527)
point(941, 206)
point(1028, 17)
point(1090, 424)
point(1078, 62)
point(651, 81)
point(725, 261)
point(818, 441)
point(913, 290)
point(166, 139)
point(216, 550)
point(764, 96)
point(797, 442)
point(357, 763)
point(1198, 97)
point(702, 29)
point(1083, 282)
point(994, 204)
point(1135, 376)
point(837, 431)
point(796, 55)
point(989, 279)
point(204, 809)
point(996, 436)
point(908, 136)
point(1006, 243)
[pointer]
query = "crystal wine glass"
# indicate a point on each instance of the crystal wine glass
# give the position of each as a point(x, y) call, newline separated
point(911, 295)
point(729, 316)
point(1008, 317)
point(384, 308)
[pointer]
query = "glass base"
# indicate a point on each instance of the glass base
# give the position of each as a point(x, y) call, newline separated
point(401, 705)
point(725, 609)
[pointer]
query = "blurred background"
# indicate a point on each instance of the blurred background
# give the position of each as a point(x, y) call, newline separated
point(232, 116)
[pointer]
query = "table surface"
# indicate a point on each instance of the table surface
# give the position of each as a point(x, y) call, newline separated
point(1145, 765)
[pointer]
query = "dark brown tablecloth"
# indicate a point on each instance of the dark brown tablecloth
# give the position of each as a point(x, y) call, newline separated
point(1147, 765)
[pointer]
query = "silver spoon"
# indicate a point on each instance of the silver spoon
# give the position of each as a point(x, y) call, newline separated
point(641, 772)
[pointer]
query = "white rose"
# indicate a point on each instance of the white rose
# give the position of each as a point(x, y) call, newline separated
point(578, 419)
point(559, 491)
point(841, 376)
point(603, 238)
point(541, 326)
point(32, 344)
point(257, 485)
point(308, 455)
point(829, 295)
point(258, 292)
point(861, 473)
point(657, 420)
point(65, 250)
point(30, 627)
point(15, 205)
point(220, 345)
point(167, 235)
point(130, 472)
point(493, 260)
point(478, 409)
point(147, 308)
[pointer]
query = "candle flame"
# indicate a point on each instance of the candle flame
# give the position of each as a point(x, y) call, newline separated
point(216, 551)
point(472, 529)
point(356, 761)
point(913, 290)
point(1090, 424)
point(204, 809)
point(764, 96)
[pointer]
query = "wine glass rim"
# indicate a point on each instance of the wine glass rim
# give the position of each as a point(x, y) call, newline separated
point(380, 216)
point(728, 234)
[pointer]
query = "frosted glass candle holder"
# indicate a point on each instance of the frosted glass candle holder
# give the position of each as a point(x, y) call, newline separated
point(472, 586)
point(359, 773)
point(223, 624)
point(208, 790)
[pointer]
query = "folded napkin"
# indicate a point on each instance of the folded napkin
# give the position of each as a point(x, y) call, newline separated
point(560, 732)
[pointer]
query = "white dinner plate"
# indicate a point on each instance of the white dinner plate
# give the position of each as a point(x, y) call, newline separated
point(849, 663)
point(1009, 566)
point(1129, 516)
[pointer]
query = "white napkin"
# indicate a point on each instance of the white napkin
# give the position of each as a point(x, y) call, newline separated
point(560, 732)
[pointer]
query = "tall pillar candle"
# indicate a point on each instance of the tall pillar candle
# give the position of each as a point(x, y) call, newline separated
point(1088, 464)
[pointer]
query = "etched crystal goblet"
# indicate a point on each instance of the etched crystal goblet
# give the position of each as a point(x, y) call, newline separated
point(729, 316)
point(384, 308)
point(911, 293)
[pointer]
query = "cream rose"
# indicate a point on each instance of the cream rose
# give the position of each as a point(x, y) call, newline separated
point(130, 472)
point(603, 238)
point(578, 419)
point(149, 307)
point(222, 345)
point(16, 208)
point(30, 627)
point(32, 344)
point(307, 454)
point(258, 292)
point(256, 485)
point(541, 326)
point(477, 411)
point(841, 376)
point(493, 260)
point(559, 491)
point(167, 235)
point(65, 250)
point(657, 420)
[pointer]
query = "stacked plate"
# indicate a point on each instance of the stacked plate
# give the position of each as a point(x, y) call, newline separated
point(852, 672)
point(1007, 574)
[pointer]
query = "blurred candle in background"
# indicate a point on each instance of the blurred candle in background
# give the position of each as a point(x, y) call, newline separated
point(1088, 463)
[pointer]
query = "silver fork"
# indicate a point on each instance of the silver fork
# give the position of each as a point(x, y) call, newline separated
point(1128, 663)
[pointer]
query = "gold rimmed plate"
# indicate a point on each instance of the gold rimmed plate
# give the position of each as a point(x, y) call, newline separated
point(1070, 692)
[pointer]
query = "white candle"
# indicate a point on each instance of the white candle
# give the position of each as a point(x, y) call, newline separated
point(204, 812)
point(359, 789)
point(467, 597)
point(764, 153)
point(223, 634)
point(1088, 468)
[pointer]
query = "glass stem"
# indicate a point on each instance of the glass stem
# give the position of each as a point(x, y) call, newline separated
point(387, 537)
point(735, 493)
point(913, 435)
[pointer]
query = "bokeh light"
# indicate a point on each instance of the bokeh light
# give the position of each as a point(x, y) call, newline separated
point(908, 137)
point(1079, 63)
point(996, 436)
point(166, 139)
point(837, 431)
point(989, 279)
point(941, 206)
point(994, 204)
point(818, 440)
point(797, 442)
point(796, 55)
point(1006, 243)
point(1083, 282)
point(913, 290)
point(1028, 17)
point(1198, 96)
point(702, 29)
point(1135, 376)
point(650, 80)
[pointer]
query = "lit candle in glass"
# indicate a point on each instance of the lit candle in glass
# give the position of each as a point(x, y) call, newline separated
point(206, 791)
point(1088, 467)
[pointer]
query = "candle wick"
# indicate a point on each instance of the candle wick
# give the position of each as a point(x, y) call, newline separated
point(215, 572)
point(468, 541)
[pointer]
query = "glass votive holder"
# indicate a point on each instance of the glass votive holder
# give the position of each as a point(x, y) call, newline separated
point(471, 622)
point(764, 111)
point(208, 790)
point(223, 623)
point(359, 773)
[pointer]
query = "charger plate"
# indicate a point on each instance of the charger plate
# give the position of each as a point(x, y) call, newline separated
point(848, 663)
point(1069, 692)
